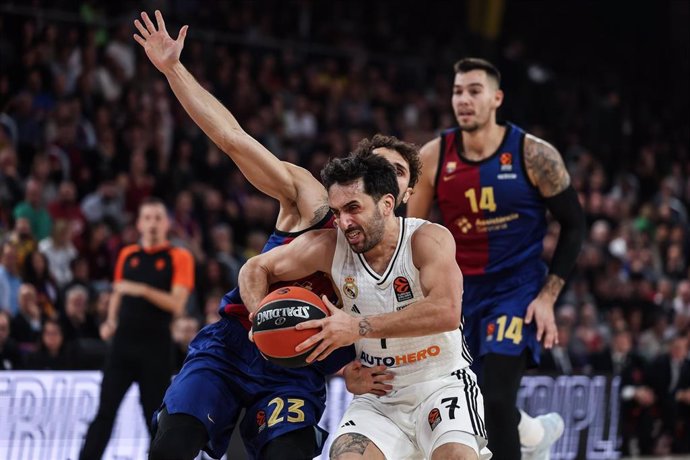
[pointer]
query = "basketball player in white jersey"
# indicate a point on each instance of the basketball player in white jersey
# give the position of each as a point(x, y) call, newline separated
point(401, 292)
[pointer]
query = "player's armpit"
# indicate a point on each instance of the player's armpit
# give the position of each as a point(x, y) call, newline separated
point(545, 167)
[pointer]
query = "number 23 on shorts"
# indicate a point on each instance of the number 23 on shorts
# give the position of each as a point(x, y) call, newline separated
point(505, 328)
point(294, 411)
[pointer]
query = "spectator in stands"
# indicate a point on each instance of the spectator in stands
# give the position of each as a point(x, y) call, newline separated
point(33, 209)
point(60, 252)
point(10, 180)
point(637, 397)
point(682, 428)
point(36, 273)
point(183, 330)
point(52, 353)
point(23, 239)
point(27, 324)
point(77, 322)
point(10, 358)
point(568, 357)
point(224, 249)
point(65, 207)
point(97, 254)
point(664, 377)
point(681, 306)
point(104, 204)
point(10, 280)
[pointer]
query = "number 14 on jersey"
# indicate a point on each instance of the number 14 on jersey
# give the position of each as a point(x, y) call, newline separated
point(486, 199)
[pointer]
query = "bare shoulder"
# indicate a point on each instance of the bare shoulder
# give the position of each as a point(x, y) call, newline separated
point(434, 246)
point(545, 166)
point(429, 154)
point(432, 237)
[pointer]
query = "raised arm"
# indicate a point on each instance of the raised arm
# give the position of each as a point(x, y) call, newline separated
point(266, 172)
point(547, 172)
point(421, 200)
point(309, 253)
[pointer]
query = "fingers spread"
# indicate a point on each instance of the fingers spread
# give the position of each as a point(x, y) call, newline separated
point(183, 34)
point(160, 21)
point(149, 25)
point(142, 30)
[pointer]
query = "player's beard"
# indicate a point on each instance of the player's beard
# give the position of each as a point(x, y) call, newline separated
point(373, 234)
point(469, 127)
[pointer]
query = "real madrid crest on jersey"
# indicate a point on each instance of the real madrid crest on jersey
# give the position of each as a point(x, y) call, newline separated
point(350, 288)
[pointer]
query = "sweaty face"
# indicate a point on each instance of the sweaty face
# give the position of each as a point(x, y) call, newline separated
point(357, 215)
point(153, 224)
point(475, 99)
point(402, 172)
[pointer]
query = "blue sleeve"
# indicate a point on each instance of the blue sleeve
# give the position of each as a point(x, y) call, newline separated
point(336, 360)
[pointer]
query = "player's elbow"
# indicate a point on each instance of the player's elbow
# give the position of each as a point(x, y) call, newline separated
point(451, 317)
point(232, 141)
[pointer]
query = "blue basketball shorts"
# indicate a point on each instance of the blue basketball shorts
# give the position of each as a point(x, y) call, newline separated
point(494, 309)
point(225, 373)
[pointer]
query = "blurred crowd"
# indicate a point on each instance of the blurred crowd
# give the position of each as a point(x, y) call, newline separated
point(88, 129)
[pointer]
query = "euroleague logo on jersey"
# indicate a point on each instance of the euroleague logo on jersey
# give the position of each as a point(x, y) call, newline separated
point(434, 418)
point(506, 161)
point(403, 291)
point(261, 420)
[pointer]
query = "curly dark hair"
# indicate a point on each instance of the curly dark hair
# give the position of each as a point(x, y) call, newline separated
point(410, 152)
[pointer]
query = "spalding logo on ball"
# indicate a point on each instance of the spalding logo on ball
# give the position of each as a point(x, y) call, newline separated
point(274, 324)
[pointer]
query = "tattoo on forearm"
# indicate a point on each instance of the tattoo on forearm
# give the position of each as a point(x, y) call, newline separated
point(553, 285)
point(364, 327)
point(546, 167)
point(349, 443)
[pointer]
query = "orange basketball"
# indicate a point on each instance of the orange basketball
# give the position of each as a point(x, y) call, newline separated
point(274, 324)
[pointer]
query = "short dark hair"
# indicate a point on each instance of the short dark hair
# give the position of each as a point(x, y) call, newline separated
point(377, 173)
point(151, 201)
point(468, 64)
point(410, 152)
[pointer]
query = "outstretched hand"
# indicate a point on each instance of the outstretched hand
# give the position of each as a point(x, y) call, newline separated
point(161, 49)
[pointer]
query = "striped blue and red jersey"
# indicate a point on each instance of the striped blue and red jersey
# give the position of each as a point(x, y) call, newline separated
point(232, 306)
point(496, 215)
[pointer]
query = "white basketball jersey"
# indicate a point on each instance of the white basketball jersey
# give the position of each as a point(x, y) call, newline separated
point(364, 293)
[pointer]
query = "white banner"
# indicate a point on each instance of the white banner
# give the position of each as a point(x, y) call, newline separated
point(45, 415)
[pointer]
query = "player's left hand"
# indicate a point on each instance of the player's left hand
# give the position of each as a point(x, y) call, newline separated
point(337, 330)
point(360, 379)
point(541, 310)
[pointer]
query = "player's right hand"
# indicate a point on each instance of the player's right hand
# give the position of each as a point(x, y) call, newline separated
point(107, 330)
point(161, 49)
point(360, 379)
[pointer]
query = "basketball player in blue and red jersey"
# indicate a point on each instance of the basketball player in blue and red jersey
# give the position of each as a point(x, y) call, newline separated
point(493, 184)
point(224, 372)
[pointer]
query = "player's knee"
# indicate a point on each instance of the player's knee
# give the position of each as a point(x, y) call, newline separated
point(296, 445)
point(178, 437)
point(454, 451)
point(455, 445)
